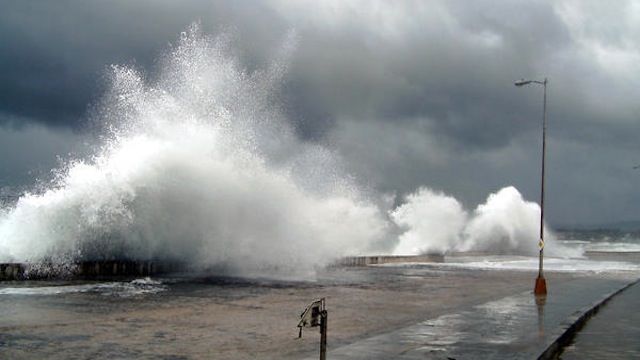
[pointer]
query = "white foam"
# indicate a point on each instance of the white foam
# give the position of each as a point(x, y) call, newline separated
point(433, 223)
point(197, 165)
point(504, 224)
point(529, 264)
point(621, 247)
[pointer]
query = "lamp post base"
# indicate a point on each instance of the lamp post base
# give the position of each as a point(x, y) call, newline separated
point(541, 286)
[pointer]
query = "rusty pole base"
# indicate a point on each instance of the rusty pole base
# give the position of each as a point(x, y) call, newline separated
point(541, 286)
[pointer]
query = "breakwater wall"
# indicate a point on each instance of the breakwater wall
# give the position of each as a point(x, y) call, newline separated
point(388, 259)
point(86, 269)
point(130, 268)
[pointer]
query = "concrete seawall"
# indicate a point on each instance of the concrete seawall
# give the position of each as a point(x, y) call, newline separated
point(11, 271)
point(124, 268)
point(388, 259)
point(86, 269)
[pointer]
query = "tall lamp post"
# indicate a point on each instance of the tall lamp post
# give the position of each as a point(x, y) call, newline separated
point(541, 284)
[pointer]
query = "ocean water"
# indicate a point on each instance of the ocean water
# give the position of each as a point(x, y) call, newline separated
point(587, 252)
point(614, 241)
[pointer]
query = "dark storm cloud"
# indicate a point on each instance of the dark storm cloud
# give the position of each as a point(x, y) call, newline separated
point(411, 92)
point(52, 54)
point(453, 63)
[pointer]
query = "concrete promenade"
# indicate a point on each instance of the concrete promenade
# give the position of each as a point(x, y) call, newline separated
point(612, 333)
point(383, 312)
point(513, 327)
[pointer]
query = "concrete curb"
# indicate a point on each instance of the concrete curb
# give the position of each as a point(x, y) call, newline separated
point(576, 321)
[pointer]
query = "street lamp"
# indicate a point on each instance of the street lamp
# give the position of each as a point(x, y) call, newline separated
point(541, 285)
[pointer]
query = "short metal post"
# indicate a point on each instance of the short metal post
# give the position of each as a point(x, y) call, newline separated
point(323, 335)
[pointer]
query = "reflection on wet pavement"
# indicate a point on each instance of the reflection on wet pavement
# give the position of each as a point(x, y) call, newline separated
point(514, 327)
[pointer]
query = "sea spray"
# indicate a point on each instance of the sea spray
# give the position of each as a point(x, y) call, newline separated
point(433, 223)
point(196, 165)
point(505, 224)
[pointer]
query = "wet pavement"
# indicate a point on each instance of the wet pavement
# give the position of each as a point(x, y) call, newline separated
point(406, 312)
point(613, 333)
point(513, 327)
point(219, 317)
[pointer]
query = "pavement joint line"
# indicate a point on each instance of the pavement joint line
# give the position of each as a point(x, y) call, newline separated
point(576, 322)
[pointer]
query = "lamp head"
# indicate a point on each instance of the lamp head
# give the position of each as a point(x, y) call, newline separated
point(522, 82)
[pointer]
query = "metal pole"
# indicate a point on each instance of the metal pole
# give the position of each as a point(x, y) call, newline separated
point(541, 285)
point(544, 148)
point(323, 335)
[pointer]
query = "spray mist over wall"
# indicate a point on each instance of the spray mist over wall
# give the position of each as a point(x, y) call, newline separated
point(505, 224)
point(196, 165)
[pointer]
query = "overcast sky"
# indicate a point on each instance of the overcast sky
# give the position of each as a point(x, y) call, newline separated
point(410, 93)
